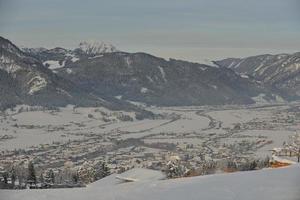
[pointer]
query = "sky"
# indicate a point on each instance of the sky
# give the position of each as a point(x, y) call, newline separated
point(192, 30)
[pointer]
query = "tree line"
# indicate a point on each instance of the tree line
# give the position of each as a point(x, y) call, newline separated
point(19, 177)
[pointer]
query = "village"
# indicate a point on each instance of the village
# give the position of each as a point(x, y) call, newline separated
point(182, 141)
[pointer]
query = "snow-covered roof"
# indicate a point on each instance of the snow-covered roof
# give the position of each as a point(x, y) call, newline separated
point(141, 174)
point(282, 160)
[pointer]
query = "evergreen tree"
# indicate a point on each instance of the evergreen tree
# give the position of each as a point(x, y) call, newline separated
point(13, 176)
point(41, 178)
point(105, 170)
point(101, 170)
point(75, 178)
point(5, 177)
point(253, 165)
point(50, 177)
point(175, 169)
point(267, 162)
point(31, 178)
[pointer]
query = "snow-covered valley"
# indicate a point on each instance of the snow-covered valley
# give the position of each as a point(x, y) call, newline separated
point(72, 138)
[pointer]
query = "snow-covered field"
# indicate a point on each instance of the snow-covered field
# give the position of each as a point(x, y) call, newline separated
point(275, 184)
point(184, 125)
point(32, 128)
point(193, 134)
point(231, 117)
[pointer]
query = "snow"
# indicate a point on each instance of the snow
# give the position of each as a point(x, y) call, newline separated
point(276, 136)
point(237, 65)
point(231, 117)
point(281, 56)
point(144, 90)
point(189, 122)
point(33, 50)
point(54, 64)
point(37, 83)
point(278, 159)
point(208, 62)
point(275, 184)
point(214, 86)
point(176, 123)
point(118, 97)
point(141, 174)
point(139, 104)
point(244, 76)
point(30, 137)
point(95, 47)
point(69, 71)
point(203, 68)
point(93, 57)
point(11, 48)
point(279, 99)
point(259, 67)
point(231, 65)
point(64, 92)
point(128, 61)
point(73, 57)
point(150, 79)
point(297, 66)
point(260, 99)
point(10, 68)
point(8, 65)
point(44, 127)
point(4, 59)
point(163, 74)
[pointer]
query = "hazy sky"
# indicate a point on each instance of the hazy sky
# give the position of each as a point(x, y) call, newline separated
point(186, 29)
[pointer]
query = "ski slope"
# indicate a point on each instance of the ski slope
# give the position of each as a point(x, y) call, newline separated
point(275, 184)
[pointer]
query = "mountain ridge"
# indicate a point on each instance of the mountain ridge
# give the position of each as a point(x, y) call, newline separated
point(279, 72)
point(121, 77)
point(25, 80)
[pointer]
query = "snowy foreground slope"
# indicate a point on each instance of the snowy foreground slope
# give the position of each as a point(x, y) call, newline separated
point(275, 184)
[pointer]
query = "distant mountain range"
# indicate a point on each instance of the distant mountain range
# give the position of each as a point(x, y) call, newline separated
point(99, 74)
point(280, 73)
point(24, 79)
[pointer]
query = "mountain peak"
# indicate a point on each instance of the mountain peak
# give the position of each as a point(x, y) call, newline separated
point(33, 50)
point(96, 47)
point(8, 46)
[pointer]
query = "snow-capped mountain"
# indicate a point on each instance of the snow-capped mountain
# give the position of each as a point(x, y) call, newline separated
point(145, 78)
point(95, 47)
point(59, 57)
point(25, 80)
point(279, 72)
point(33, 50)
point(103, 71)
